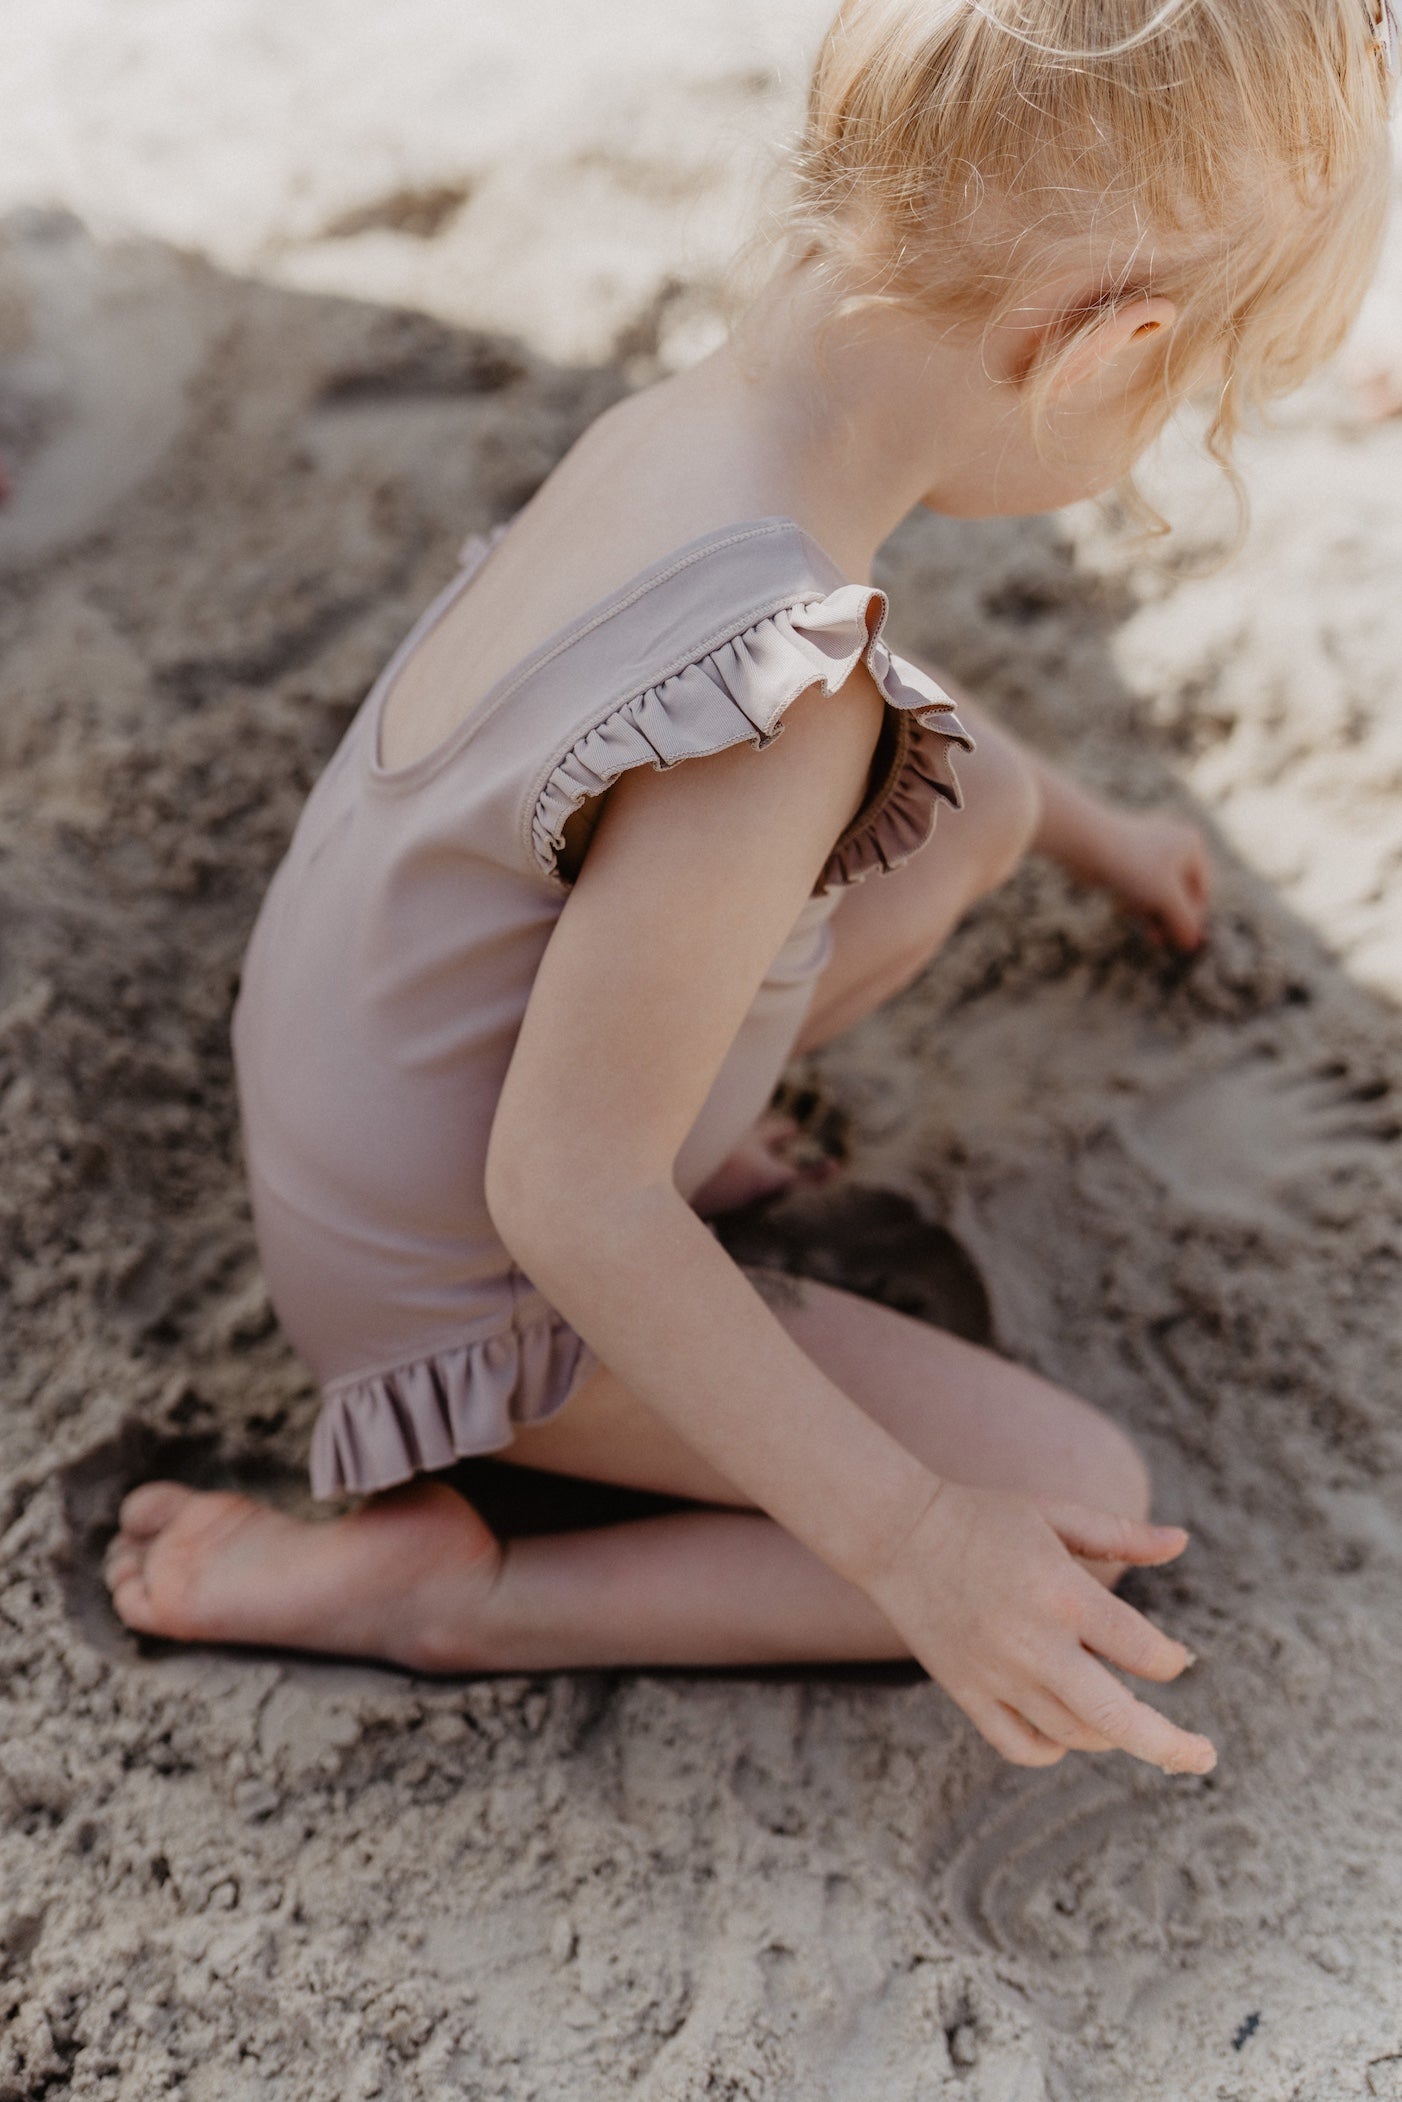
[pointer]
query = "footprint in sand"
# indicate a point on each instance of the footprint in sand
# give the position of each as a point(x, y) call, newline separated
point(1258, 1144)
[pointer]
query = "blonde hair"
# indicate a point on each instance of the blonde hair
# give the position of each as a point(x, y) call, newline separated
point(1229, 155)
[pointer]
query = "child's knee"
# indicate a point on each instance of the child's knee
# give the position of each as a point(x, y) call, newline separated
point(1118, 1481)
point(1122, 1480)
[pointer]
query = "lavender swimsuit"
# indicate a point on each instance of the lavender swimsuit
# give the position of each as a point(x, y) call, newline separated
point(393, 957)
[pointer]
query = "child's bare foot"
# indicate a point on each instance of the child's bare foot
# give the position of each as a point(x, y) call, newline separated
point(759, 1167)
point(406, 1577)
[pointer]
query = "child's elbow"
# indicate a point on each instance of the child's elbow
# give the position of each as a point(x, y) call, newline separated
point(540, 1182)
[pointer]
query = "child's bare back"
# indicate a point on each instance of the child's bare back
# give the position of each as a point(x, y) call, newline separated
point(648, 475)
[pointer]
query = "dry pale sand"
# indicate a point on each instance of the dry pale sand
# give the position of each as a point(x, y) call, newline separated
point(1175, 1186)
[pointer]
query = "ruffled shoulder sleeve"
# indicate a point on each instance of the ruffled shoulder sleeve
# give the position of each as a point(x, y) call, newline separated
point(739, 691)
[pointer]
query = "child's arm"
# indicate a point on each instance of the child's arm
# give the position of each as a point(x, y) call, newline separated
point(1155, 865)
point(692, 881)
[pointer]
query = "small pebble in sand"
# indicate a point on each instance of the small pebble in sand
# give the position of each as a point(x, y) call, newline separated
point(1247, 2030)
point(963, 2045)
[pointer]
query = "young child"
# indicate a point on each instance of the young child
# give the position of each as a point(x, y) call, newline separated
point(565, 901)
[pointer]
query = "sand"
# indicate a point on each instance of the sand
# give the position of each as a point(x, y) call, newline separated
point(242, 461)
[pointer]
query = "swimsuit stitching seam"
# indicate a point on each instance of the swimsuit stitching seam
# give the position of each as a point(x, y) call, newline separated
point(536, 662)
point(332, 1389)
point(616, 606)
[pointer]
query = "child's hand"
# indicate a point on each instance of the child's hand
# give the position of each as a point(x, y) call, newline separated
point(1158, 867)
point(992, 1602)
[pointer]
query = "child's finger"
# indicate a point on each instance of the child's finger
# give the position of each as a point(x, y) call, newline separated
point(1182, 916)
point(1094, 1694)
point(1105, 1537)
point(1123, 1636)
point(1043, 1711)
point(1009, 1734)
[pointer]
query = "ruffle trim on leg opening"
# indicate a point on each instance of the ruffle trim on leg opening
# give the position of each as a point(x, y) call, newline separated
point(389, 1426)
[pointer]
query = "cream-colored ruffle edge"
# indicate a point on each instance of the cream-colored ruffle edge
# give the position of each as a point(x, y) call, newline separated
point(740, 690)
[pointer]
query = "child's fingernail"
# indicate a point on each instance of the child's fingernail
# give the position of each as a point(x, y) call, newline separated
point(1199, 1770)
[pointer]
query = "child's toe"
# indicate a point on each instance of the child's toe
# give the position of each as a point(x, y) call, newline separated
point(150, 1508)
point(122, 1560)
point(132, 1603)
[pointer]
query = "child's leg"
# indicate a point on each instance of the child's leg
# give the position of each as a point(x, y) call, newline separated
point(966, 1412)
point(886, 930)
point(417, 1578)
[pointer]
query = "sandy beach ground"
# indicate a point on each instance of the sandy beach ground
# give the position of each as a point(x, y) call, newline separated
point(289, 300)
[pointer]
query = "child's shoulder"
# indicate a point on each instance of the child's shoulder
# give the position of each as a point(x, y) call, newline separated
point(630, 491)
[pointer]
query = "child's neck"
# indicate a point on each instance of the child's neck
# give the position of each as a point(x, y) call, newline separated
point(849, 446)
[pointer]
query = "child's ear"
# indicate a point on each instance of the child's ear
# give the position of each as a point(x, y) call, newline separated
point(1115, 336)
